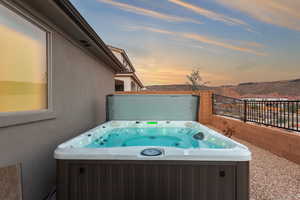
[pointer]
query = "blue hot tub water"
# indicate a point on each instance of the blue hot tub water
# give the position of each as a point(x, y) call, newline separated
point(154, 136)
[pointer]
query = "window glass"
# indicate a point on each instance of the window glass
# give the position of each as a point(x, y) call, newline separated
point(23, 64)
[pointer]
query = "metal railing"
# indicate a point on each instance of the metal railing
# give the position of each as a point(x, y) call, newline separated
point(281, 114)
point(228, 106)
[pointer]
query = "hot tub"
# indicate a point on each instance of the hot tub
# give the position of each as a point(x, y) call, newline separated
point(158, 160)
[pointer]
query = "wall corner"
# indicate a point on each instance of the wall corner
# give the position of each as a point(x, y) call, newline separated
point(205, 107)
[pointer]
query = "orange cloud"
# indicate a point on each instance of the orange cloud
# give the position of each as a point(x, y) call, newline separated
point(175, 75)
point(209, 14)
point(164, 75)
point(157, 67)
point(150, 13)
point(281, 13)
point(253, 44)
point(207, 40)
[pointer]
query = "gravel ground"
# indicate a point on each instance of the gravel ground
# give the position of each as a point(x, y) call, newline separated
point(272, 177)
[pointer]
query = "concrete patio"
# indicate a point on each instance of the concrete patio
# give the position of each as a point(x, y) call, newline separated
point(272, 177)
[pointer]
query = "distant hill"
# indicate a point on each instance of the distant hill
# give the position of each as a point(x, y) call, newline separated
point(170, 87)
point(287, 88)
point(22, 96)
point(21, 88)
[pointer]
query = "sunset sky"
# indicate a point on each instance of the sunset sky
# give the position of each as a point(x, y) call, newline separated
point(231, 41)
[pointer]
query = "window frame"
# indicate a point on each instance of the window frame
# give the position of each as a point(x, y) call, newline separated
point(23, 117)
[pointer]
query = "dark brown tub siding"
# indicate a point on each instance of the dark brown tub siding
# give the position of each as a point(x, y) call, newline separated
point(152, 180)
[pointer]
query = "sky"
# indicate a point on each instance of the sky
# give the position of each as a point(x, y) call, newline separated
point(230, 41)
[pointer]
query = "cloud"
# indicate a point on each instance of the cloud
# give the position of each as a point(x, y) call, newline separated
point(206, 40)
point(171, 74)
point(149, 13)
point(277, 12)
point(155, 30)
point(209, 14)
point(163, 75)
point(253, 44)
point(177, 75)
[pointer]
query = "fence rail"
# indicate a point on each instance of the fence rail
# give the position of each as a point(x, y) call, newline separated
point(281, 114)
point(228, 106)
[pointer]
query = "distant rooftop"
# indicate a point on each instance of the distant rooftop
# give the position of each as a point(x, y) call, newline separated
point(123, 58)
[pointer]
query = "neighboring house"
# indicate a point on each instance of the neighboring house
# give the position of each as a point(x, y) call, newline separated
point(55, 73)
point(127, 80)
point(264, 99)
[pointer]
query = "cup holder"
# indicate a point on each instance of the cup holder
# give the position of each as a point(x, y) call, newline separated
point(198, 136)
point(151, 152)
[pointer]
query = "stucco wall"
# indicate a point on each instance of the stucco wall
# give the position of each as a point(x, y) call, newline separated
point(80, 84)
point(277, 141)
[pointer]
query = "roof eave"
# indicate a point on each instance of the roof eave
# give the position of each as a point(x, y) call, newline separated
point(123, 52)
point(77, 18)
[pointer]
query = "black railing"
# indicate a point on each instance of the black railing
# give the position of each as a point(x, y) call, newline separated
point(228, 106)
point(281, 114)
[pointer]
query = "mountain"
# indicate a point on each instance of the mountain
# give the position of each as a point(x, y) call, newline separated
point(287, 89)
point(21, 88)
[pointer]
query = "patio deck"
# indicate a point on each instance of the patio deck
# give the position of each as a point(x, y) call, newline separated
point(272, 177)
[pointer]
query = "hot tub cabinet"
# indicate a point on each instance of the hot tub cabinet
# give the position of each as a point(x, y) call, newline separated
point(191, 162)
point(152, 180)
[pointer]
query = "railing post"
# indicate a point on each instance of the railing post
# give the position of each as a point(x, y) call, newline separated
point(245, 110)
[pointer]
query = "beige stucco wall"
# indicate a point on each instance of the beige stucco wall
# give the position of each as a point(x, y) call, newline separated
point(80, 85)
point(277, 141)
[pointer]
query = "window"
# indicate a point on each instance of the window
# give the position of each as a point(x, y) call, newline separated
point(119, 85)
point(24, 64)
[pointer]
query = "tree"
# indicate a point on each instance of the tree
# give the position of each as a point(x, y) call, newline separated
point(195, 79)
